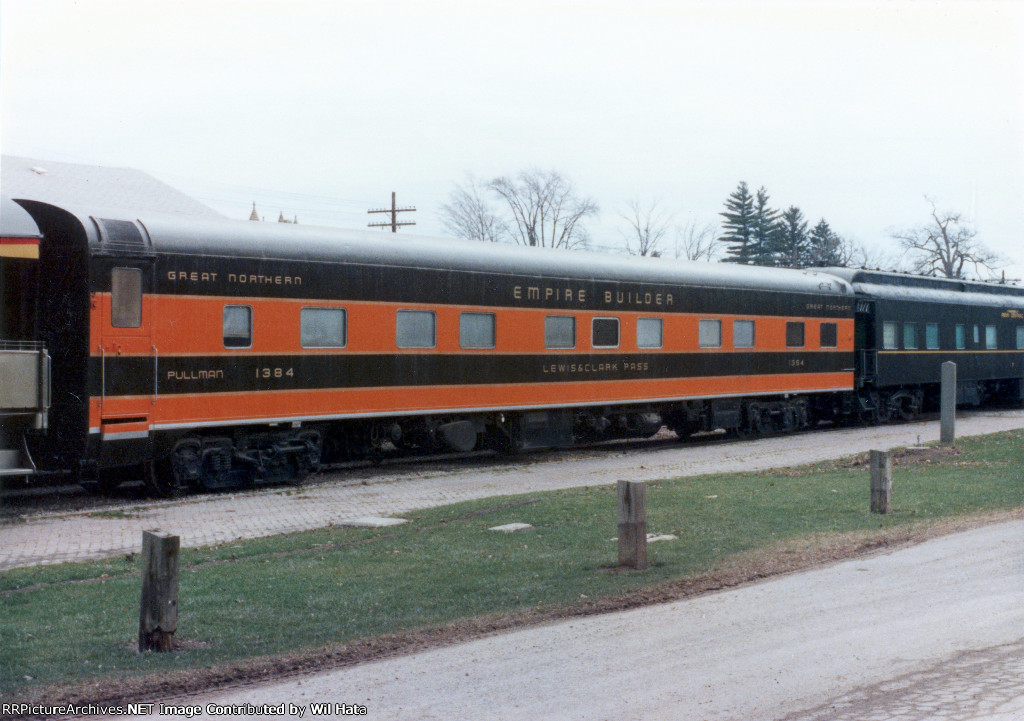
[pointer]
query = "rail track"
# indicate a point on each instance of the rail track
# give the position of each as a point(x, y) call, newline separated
point(59, 495)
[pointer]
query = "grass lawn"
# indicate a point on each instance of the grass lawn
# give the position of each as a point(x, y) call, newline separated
point(72, 623)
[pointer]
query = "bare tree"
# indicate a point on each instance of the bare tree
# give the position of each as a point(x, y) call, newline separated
point(469, 215)
point(546, 210)
point(697, 241)
point(648, 226)
point(858, 254)
point(945, 245)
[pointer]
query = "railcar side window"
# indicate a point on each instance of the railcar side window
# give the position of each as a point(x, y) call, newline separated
point(416, 329)
point(961, 337)
point(990, 337)
point(237, 326)
point(889, 337)
point(743, 334)
point(476, 330)
point(125, 297)
point(977, 336)
point(829, 335)
point(931, 336)
point(649, 333)
point(559, 331)
point(795, 334)
point(1020, 337)
point(604, 333)
point(910, 336)
point(709, 334)
point(322, 327)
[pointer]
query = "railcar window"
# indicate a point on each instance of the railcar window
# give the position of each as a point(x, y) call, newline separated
point(125, 297)
point(649, 333)
point(559, 331)
point(237, 326)
point(829, 335)
point(1020, 337)
point(416, 329)
point(322, 327)
point(910, 336)
point(931, 336)
point(889, 335)
point(743, 334)
point(990, 337)
point(476, 330)
point(961, 337)
point(709, 334)
point(604, 333)
point(977, 336)
point(795, 334)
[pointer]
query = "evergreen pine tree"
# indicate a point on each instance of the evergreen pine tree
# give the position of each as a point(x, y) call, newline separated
point(763, 241)
point(739, 225)
point(824, 246)
point(793, 243)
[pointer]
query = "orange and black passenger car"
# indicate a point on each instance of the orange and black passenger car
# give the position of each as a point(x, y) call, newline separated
point(212, 354)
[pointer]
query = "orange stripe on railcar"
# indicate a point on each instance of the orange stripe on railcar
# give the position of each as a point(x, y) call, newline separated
point(306, 404)
point(192, 325)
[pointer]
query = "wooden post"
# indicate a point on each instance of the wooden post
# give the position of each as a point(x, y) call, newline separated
point(881, 481)
point(947, 405)
point(158, 612)
point(632, 524)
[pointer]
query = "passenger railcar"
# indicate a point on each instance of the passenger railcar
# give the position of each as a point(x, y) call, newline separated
point(24, 363)
point(219, 353)
point(907, 326)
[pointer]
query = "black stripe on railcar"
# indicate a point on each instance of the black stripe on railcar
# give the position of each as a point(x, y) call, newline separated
point(294, 279)
point(236, 373)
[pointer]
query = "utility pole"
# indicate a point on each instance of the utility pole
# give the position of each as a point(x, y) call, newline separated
point(394, 215)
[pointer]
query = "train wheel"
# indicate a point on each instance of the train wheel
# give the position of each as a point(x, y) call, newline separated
point(892, 406)
point(684, 429)
point(868, 413)
point(309, 462)
point(160, 479)
point(910, 407)
point(883, 412)
point(755, 420)
point(802, 415)
point(507, 437)
point(509, 446)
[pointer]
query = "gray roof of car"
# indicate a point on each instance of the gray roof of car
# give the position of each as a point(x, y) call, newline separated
point(297, 242)
point(888, 285)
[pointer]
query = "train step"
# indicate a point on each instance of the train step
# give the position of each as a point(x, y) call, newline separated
point(16, 463)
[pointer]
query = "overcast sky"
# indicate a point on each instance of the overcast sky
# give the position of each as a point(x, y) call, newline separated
point(852, 111)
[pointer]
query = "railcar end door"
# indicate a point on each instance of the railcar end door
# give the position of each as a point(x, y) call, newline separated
point(128, 358)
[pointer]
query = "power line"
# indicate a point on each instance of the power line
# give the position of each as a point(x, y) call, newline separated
point(394, 210)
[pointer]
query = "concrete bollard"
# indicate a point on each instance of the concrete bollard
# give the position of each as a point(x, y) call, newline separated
point(947, 405)
point(632, 524)
point(881, 481)
point(158, 611)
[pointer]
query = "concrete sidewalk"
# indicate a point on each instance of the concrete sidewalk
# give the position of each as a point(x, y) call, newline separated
point(213, 519)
